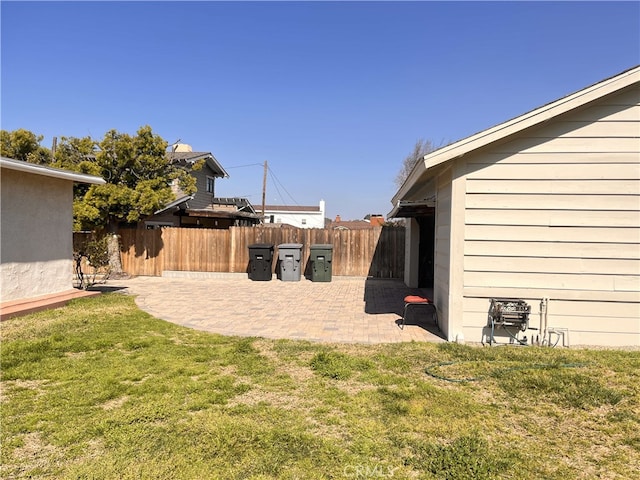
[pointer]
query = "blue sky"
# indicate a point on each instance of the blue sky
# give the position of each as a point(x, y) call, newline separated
point(333, 95)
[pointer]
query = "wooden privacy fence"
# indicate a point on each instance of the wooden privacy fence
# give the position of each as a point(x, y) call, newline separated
point(376, 252)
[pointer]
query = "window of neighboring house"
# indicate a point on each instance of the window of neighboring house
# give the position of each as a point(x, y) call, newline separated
point(304, 221)
point(154, 225)
point(210, 184)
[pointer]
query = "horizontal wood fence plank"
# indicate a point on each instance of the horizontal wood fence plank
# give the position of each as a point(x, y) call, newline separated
point(377, 251)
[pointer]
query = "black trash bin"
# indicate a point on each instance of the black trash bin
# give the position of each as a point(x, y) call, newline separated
point(289, 255)
point(260, 261)
point(321, 258)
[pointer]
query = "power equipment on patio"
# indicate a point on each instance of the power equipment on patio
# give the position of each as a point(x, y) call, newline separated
point(509, 314)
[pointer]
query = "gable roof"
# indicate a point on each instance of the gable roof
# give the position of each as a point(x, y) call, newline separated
point(240, 203)
point(43, 170)
point(516, 125)
point(188, 159)
point(291, 208)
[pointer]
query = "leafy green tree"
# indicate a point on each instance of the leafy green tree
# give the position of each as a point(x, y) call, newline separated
point(77, 154)
point(138, 173)
point(140, 178)
point(23, 145)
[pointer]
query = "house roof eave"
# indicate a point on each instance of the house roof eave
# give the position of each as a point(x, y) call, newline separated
point(47, 171)
point(175, 203)
point(408, 209)
point(210, 213)
point(518, 124)
point(193, 157)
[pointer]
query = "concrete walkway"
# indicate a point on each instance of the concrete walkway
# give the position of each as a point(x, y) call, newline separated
point(345, 310)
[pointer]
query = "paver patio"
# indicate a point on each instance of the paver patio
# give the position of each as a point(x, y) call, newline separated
point(345, 310)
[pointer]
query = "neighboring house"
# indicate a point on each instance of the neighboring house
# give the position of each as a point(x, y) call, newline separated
point(545, 208)
point(371, 222)
point(221, 213)
point(202, 209)
point(296, 216)
point(36, 236)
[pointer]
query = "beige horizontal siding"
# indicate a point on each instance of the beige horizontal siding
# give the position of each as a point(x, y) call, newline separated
point(588, 321)
point(555, 213)
point(556, 281)
point(602, 310)
point(553, 249)
point(575, 337)
point(557, 218)
point(627, 203)
point(612, 111)
point(546, 234)
point(559, 171)
point(442, 267)
point(626, 128)
point(582, 158)
point(549, 292)
point(570, 144)
point(558, 186)
point(525, 264)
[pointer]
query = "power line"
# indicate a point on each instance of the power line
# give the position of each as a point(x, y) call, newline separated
point(278, 181)
point(248, 165)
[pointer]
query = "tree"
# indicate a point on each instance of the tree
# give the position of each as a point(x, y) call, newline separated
point(420, 149)
point(137, 171)
point(23, 145)
point(139, 180)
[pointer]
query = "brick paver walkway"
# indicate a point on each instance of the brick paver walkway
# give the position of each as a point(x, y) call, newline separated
point(345, 310)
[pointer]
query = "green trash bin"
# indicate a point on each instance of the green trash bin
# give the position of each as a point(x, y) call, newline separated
point(321, 257)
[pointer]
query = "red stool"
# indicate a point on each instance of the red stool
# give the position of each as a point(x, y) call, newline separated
point(414, 301)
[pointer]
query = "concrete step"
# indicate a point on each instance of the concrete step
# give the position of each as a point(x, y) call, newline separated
point(15, 308)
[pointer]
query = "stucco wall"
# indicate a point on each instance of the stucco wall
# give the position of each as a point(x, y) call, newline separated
point(36, 235)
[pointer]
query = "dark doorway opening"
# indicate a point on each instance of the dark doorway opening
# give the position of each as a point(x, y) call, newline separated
point(426, 255)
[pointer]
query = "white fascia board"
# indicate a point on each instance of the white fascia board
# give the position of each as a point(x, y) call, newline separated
point(214, 164)
point(175, 203)
point(518, 124)
point(22, 166)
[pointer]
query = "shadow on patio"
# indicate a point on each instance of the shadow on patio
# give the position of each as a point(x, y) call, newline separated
point(382, 295)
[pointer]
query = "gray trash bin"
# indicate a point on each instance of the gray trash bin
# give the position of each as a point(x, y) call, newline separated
point(260, 260)
point(321, 258)
point(290, 255)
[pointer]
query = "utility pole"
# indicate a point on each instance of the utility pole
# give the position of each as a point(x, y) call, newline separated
point(264, 188)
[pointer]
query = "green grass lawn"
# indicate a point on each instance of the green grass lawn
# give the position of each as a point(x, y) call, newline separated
point(100, 389)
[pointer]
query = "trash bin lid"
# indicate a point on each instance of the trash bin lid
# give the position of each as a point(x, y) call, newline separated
point(290, 245)
point(261, 245)
point(323, 246)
